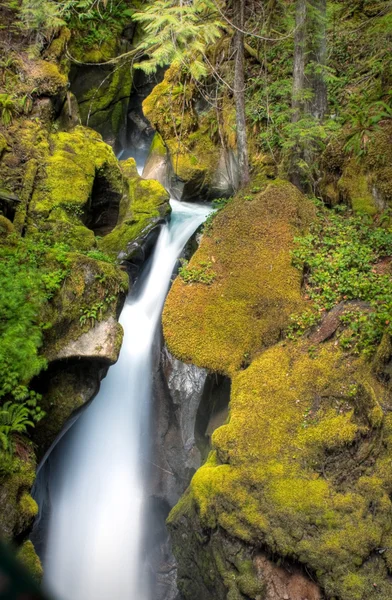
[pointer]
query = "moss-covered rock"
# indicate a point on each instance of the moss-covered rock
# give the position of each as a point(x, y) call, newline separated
point(302, 467)
point(223, 325)
point(93, 291)
point(29, 558)
point(17, 507)
point(364, 182)
point(46, 78)
point(190, 137)
point(354, 187)
point(80, 182)
point(146, 205)
point(102, 91)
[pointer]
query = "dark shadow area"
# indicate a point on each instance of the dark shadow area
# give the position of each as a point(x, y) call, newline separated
point(213, 411)
point(101, 214)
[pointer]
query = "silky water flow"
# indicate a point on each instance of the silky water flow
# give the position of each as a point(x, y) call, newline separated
point(95, 486)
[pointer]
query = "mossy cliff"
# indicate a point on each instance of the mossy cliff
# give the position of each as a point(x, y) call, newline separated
point(61, 192)
point(364, 183)
point(147, 205)
point(302, 469)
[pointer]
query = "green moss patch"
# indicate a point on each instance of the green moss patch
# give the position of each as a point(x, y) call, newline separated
point(148, 202)
point(224, 324)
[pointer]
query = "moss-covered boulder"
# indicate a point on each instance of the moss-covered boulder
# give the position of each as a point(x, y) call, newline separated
point(146, 206)
point(79, 188)
point(363, 182)
point(252, 287)
point(92, 292)
point(302, 468)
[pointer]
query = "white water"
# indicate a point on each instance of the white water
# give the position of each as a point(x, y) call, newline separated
point(96, 492)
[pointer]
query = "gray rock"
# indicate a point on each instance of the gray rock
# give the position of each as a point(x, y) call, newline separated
point(102, 342)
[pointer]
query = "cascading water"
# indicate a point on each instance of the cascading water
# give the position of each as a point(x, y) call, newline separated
point(93, 549)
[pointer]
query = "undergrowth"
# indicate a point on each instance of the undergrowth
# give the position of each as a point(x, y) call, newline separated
point(31, 271)
point(346, 257)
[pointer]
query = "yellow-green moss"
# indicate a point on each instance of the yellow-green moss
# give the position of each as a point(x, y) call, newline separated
point(3, 144)
point(223, 325)
point(169, 106)
point(6, 227)
point(28, 556)
point(354, 186)
point(46, 77)
point(17, 508)
point(28, 506)
point(65, 185)
point(149, 201)
point(293, 469)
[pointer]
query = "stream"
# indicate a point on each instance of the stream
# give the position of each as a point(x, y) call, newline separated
point(95, 528)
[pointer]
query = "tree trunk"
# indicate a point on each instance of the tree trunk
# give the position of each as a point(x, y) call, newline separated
point(317, 59)
point(239, 92)
point(309, 88)
point(299, 60)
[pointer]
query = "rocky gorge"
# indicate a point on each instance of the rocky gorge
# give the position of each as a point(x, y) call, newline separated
point(269, 473)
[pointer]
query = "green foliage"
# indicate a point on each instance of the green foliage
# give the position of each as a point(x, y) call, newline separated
point(91, 313)
point(178, 32)
point(200, 274)
point(16, 418)
point(31, 270)
point(363, 121)
point(341, 255)
point(96, 20)
point(102, 256)
point(8, 109)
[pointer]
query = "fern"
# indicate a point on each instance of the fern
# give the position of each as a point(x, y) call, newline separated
point(175, 32)
point(14, 418)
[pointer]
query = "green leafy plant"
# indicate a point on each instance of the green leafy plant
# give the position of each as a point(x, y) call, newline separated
point(8, 109)
point(203, 273)
point(364, 121)
point(178, 32)
point(341, 256)
point(15, 418)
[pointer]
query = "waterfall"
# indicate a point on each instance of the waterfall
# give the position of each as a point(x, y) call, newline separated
point(96, 497)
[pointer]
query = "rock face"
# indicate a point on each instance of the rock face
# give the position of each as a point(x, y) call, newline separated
point(185, 407)
point(197, 166)
point(103, 91)
point(158, 163)
point(365, 186)
point(140, 217)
